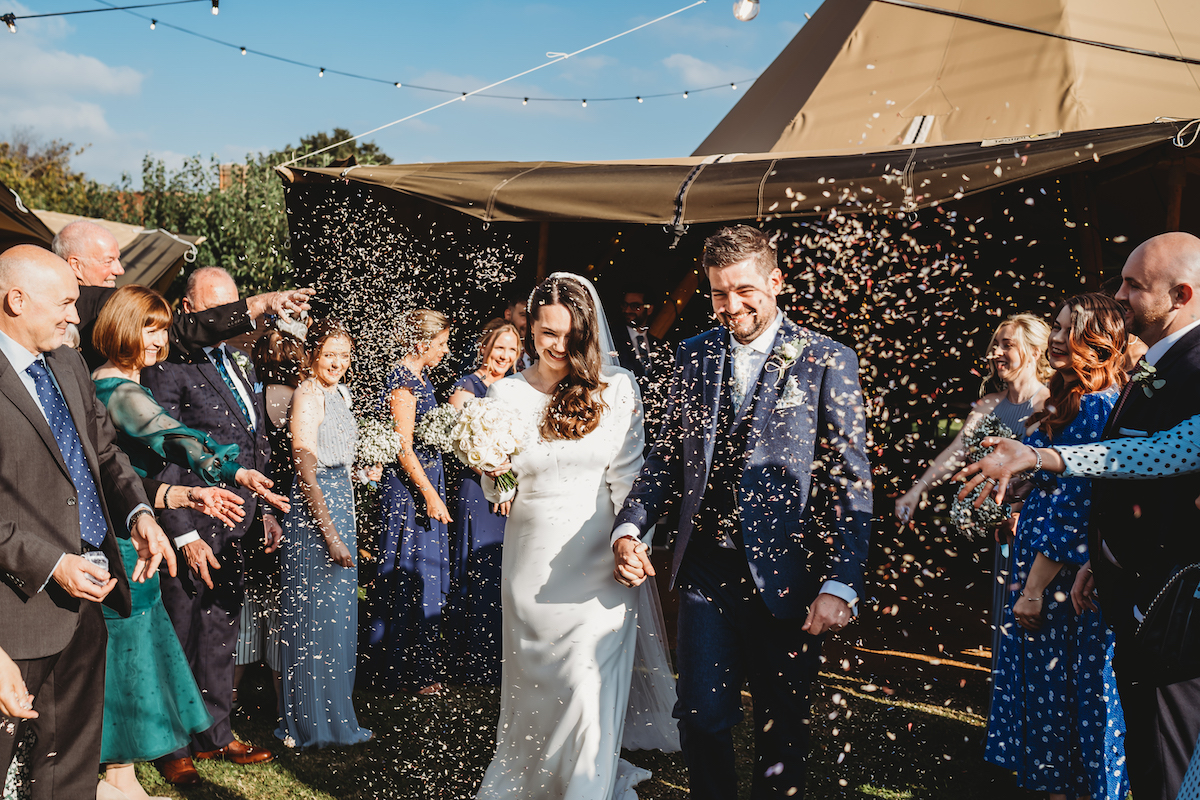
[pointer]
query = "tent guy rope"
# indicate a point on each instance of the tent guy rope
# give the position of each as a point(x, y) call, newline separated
point(554, 59)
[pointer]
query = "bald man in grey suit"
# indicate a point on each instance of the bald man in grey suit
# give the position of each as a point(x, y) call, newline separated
point(65, 490)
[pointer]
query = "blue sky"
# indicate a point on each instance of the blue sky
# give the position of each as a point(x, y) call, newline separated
point(108, 81)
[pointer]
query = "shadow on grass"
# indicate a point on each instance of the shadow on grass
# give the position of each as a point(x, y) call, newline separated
point(919, 742)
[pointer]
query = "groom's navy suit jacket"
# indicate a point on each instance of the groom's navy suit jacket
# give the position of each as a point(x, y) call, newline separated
point(795, 534)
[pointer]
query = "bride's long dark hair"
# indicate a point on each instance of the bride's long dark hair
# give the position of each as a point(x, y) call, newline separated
point(575, 406)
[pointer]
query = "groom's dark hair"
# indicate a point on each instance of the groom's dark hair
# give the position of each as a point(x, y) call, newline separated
point(737, 243)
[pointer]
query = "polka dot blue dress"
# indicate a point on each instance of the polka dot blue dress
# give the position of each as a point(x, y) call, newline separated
point(1056, 719)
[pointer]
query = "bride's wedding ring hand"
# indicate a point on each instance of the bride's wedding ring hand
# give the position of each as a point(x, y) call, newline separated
point(632, 562)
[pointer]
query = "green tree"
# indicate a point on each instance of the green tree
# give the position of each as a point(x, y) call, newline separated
point(362, 152)
point(40, 172)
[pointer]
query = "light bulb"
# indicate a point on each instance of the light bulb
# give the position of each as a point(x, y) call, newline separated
point(525, 102)
point(397, 84)
point(685, 94)
point(11, 21)
point(216, 7)
point(153, 23)
point(321, 74)
point(243, 51)
point(745, 10)
point(733, 86)
point(585, 103)
point(639, 99)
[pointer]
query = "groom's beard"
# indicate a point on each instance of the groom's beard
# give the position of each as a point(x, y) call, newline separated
point(747, 325)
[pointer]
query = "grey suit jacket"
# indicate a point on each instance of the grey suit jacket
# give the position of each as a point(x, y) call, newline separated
point(39, 518)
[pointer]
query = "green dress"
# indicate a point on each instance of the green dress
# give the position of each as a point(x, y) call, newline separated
point(151, 702)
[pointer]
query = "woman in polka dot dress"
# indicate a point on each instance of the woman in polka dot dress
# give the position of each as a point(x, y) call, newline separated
point(1056, 718)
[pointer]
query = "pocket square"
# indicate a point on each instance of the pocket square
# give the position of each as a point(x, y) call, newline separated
point(258, 387)
point(792, 395)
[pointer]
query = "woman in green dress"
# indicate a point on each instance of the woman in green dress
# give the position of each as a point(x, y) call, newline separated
point(151, 702)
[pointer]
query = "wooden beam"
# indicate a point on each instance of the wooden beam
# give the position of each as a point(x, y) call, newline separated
point(671, 310)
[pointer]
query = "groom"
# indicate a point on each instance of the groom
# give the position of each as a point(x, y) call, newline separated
point(764, 439)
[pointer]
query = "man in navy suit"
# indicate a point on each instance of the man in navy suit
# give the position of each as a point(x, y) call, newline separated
point(212, 393)
point(764, 439)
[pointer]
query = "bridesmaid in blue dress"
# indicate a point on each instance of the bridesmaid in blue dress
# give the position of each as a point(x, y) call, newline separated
point(404, 650)
point(1056, 718)
point(319, 603)
point(473, 617)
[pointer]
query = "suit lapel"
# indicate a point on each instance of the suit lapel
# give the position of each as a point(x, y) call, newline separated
point(1137, 396)
point(715, 352)
point(769, 381)
point(209, 370)
point(12, 388)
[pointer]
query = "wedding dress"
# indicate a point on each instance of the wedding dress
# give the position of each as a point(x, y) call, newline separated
point(570, 630)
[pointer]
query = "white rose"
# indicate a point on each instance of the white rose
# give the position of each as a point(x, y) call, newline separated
point(475, 457)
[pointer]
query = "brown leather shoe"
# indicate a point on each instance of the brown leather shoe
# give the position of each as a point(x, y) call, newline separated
point(179, 771)
point(239, 753)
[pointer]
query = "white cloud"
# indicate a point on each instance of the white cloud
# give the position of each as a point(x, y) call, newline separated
point(696, 73)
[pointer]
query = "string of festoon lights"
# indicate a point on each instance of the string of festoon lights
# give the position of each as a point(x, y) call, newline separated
point(321, 70)
point(555, 58)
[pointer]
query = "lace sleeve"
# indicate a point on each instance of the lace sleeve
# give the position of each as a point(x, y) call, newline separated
point(134, 410)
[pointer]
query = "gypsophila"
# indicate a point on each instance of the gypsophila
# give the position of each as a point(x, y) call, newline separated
point(378, 442)
point(435, 428)
point(976, 523)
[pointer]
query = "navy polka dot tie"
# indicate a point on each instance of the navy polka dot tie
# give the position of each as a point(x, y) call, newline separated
point(91, 515)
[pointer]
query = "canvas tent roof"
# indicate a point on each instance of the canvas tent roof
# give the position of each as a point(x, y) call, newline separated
point(682, 191)
point(860, 72)
point(19, 225)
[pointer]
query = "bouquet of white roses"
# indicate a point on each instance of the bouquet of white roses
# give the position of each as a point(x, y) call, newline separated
point(487, 434)
point(435, 428)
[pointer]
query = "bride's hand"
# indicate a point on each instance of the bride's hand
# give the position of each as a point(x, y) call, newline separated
point(498, 471)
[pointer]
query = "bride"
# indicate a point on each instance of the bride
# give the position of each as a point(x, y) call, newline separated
point(571, 631)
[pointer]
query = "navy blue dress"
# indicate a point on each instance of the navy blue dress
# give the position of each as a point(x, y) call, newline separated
point(1056, 719)
point(473, 617)
point(403, 648)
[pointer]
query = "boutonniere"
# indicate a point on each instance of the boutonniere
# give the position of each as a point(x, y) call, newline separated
point(785, 354)
point(241, 359)
point(1145, 377)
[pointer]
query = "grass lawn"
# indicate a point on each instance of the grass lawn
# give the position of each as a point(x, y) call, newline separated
point(911, 739)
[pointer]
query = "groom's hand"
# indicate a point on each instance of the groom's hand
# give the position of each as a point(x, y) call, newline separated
point(827, 613)
point(632, 561)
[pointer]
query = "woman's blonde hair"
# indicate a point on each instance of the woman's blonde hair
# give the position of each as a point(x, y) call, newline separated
point(491, 332)
point(1033, 339)
point(421, 325)
point(117, 334)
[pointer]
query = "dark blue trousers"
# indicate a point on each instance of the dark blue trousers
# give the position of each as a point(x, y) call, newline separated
point(727, 637)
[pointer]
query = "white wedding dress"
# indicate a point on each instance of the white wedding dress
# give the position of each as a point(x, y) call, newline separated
point(570, 630)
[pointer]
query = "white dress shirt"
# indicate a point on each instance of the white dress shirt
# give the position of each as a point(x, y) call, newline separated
point(215, 353)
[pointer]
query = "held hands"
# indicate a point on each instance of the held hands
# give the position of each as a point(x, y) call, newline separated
point(200, 558)
point(261, 485)
point(72, 574)
point(152, 547)
point(632, 561)
point(827, 613)
point(15, 699)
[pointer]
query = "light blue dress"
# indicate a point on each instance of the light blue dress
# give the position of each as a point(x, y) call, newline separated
point(319, 608)
point(1056, 718)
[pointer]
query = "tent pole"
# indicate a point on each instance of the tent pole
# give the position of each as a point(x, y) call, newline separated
point(1176, 181)
point(543, 258)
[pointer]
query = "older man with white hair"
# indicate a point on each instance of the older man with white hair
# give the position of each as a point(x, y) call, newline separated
point(94, 257)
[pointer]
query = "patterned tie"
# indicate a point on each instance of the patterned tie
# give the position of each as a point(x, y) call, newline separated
point(219, 360)
point(741, 373)
point(91, 514)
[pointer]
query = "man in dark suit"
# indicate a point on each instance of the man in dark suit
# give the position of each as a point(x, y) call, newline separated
point(762, 571)
point(94, 257)
point(214, 394)
point(636, 346)
point(65, 490)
